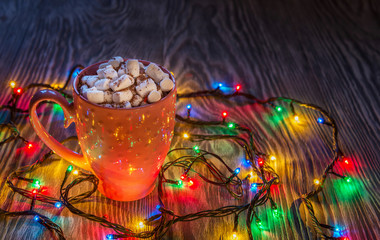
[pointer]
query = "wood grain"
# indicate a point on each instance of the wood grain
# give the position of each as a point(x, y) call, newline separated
point(322, 52)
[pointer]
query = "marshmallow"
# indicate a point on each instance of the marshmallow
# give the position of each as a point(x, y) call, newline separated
point(90, 80)
point(83, 89)
point(103, 65)
point(122, 96)
point(116, 61)
point(121, 71)
point(100, 73)
point(154, 96)
point(155, 72)
point(110, 72)
point(127, 105)
point(136, 100)
point(133, 67)
point(166, 85)
point(95, 96)
point(145, 88)
point(103, 84)
point(122, 82)
point(108, 96)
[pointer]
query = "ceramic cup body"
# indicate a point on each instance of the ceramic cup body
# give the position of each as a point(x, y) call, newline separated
point(124, 148)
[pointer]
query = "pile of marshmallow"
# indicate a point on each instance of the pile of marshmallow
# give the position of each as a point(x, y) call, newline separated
point(121, 84)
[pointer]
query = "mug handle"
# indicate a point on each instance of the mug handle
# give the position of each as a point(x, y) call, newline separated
point(68, 110)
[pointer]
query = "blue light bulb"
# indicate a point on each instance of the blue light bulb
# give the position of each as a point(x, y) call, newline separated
point(237, 170)
point(321, 120)
point(188, 106)
point(220, 85)
point(58, 204)
point(253, 186)
point(109, 236)
point(36, 218)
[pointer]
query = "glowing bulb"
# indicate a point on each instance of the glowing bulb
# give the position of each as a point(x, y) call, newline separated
point(75, 172)
point(179, 182)
point(260, 161)
point(297, 119)
point(224, 114)
point(58, 204)
point(188, 106)
point(250, 174)
point(69, 168)
point(17, 91)
point(238, 87)
point(30, 145)
point(237, 170)
point(109, 236)
point(321, 120)
point(36, 181)
point(183, 177)
point(234, 236)
point(273, 158)
point(253, 187)
point(316, 182)
point(279, 109)
point(34, 191)
point(348, 179)
point(345, 160)
point(141, 224)
point(275, 212)
point(196, 149)
point(12, 84)
point(36, 218)
point(185, 135)
point(231, 125)
point(190, 183)
point(158, 207)
point(220, 85)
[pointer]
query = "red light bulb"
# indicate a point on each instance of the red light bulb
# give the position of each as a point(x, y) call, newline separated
point(34, 191)
point(18, 91)
point(260, 161)
point(183, 177)
point(30, 146)
point(191, 183)
point(238, 87)
point(346, 161)
point(224, 114)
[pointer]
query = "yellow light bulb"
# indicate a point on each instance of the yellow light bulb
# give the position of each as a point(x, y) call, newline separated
point(316, 181)
point(273, 158)
point(75, 172)
point(185, 135)
point(12, 84)
point(234, 236)
point(297, 119)
point(141, 224)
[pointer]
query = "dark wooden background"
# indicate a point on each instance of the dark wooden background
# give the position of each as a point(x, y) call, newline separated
point(323, 52)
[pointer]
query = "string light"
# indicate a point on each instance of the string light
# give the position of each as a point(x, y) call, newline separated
point(237, 170)
point(196, 149)
point(58, 204)
point(36, 218)
point(34, 191)
point(316, 181)
point(183, 177)
point(12, 84)
point(234, 235)
point(185, 135)
point(231, 125)
point(30, 145)
point(273, 158)
point(321, 120)
point(346, 161)
point(18, 91)
point(220, 85)
point(190, 183)
point(238, 87)
point(162, 228)
point(253, 187)
point(224, 114)
point(75, 172)
point(188, 106)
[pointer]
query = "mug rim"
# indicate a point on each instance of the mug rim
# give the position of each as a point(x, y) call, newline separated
point(145, 62)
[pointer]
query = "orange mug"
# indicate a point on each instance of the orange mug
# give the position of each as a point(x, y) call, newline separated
point(124, 148)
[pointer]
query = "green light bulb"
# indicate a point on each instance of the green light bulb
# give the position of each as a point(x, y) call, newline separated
point(348, 179)
point(231, 125)
point(70, 168)
point(179, 182)
point(279, 109)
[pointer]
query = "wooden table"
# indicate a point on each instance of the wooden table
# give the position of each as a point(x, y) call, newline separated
point(321, 52)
